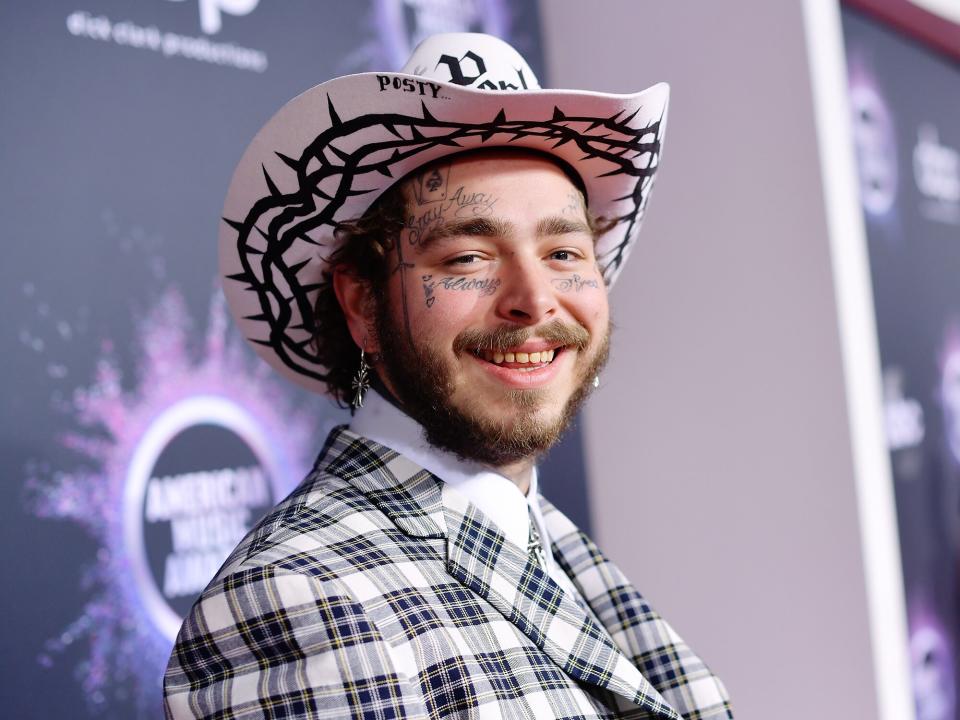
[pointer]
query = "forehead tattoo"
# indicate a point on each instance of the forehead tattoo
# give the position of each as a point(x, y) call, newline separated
point(440, 208)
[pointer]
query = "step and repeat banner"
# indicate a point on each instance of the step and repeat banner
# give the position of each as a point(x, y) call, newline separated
point(905, 100)
point(141, 439)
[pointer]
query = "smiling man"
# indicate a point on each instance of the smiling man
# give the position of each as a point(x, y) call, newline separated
point(439, 259)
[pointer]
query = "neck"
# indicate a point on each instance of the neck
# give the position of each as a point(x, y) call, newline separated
point(519, 472)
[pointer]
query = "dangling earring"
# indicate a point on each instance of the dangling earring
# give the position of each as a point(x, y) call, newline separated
point(360, 383)
point(596, 381)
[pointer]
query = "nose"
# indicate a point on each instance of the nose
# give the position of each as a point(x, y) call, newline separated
point(526, 296)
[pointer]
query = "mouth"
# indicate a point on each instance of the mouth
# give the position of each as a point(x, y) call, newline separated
point(523, 360)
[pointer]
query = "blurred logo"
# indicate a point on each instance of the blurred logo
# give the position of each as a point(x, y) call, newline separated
point(931, 664)
point(201, 475)
point(950, 389)
point(166, 44)
point(903, 416)
point(873, 135)
point(936, 169)
point(400, 25)
point(211, 12)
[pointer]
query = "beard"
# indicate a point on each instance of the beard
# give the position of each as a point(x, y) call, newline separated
point(422, 379)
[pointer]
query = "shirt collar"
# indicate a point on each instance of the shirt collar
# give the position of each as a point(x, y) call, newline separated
point(495, 495)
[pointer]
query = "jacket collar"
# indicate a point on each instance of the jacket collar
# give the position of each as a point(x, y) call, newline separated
point(480, 558)
point(498, 497)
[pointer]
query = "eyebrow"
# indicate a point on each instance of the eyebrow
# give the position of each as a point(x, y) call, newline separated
point(556, 225)
point(496, 227)
point(475, 227)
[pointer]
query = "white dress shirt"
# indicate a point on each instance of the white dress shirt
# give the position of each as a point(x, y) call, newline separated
point(495, 495)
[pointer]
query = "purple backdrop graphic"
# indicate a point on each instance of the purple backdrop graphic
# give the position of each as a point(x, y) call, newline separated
point(906, 126)
point(141, 438)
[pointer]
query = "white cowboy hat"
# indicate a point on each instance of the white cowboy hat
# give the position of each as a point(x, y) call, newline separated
point(331, 151)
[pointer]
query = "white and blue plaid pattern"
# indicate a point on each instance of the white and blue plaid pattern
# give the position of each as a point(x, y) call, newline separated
point(376, 591)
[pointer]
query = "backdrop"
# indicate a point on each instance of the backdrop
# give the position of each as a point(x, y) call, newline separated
point(140, 438)
point(907, 136)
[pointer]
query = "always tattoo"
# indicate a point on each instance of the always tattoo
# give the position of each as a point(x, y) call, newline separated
point(485, 286)
point(574, 283)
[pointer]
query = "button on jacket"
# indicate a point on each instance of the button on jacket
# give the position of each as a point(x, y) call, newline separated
point(377, 591)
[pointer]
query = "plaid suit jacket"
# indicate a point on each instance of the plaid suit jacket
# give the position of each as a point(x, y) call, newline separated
point(377, 591)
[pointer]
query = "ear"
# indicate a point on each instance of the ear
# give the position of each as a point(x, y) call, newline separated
point(355, 300)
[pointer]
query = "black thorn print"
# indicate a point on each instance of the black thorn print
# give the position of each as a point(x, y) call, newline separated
point(270, 184)
point(334, 118)
point(309, 211)
point(288, 160)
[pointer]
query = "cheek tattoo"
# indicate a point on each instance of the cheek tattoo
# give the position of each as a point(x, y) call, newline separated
point(574, 283)
point(484, 286)
point(428, 287)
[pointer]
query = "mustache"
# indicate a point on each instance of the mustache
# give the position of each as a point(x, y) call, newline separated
point(507, 336)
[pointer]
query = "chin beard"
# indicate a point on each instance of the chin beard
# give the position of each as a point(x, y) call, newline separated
point(422, 381)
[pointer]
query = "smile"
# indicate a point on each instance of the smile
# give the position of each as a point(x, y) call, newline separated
point(524, 361)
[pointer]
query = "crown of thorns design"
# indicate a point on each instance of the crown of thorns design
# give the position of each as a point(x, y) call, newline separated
point(309, 214)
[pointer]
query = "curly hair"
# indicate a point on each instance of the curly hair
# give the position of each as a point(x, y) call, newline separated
point(365, 244)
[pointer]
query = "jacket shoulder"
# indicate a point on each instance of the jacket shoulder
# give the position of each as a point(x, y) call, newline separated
point(304, 532)
point(265, 637)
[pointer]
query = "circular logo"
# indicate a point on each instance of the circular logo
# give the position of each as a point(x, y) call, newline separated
point(199, 479)
point(873, 134)
point(932, 670)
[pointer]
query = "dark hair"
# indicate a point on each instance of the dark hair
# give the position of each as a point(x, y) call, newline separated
point(364, 250)
point(365, 244)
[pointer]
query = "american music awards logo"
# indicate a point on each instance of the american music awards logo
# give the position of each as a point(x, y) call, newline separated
point(199, 477)
point(170, 475)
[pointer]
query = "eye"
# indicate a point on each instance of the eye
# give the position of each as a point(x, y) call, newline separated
point(466, 262)
point(465, 259)
point(564, 255)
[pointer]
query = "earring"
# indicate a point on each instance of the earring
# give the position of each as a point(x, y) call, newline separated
point(360, 383)
point(596, 381)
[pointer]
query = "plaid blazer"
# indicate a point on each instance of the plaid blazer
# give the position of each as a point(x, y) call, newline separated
point(377, 591)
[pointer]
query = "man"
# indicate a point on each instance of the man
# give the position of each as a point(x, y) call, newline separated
point(435, 247)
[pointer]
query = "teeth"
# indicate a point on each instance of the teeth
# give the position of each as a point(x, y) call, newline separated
point(537, 358)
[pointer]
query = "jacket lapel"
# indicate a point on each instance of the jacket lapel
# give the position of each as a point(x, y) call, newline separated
point(681, 677)
point(479, 557)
